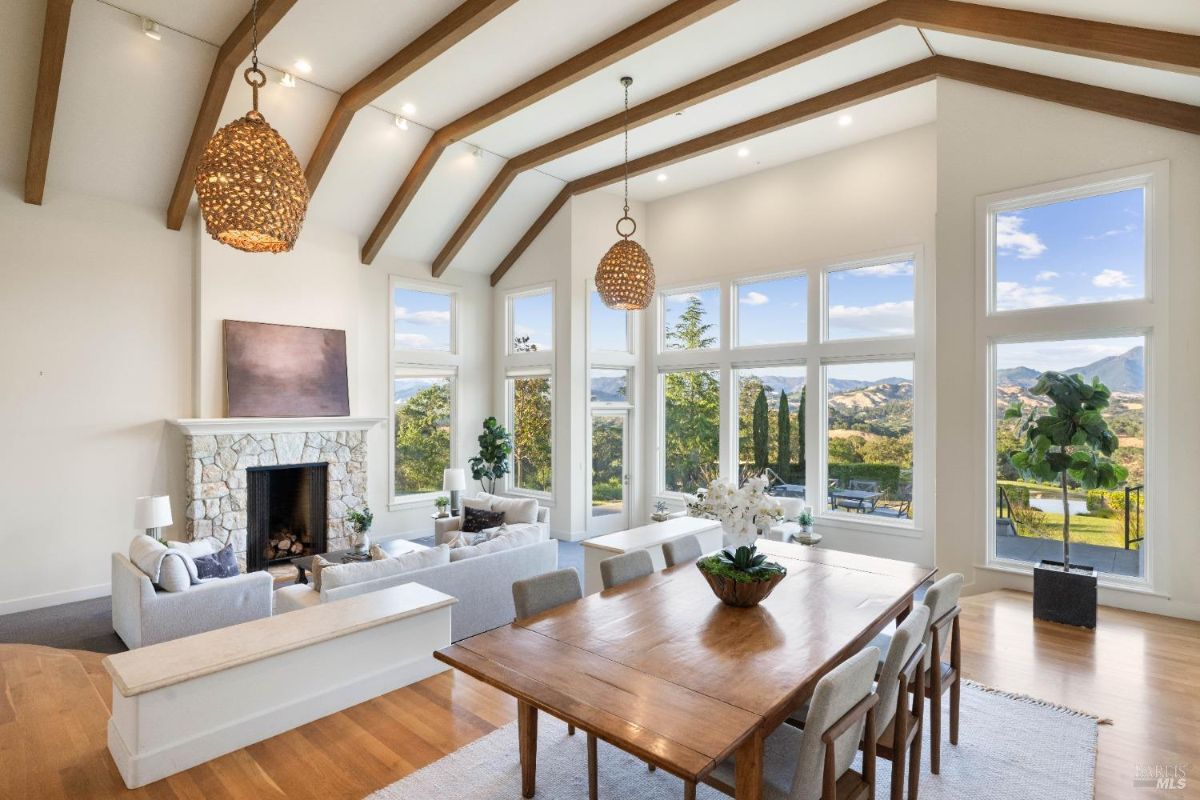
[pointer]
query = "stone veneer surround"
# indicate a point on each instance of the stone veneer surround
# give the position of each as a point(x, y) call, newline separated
point(217, 453)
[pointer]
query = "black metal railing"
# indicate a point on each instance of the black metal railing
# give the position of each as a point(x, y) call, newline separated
point(1134, 532)
point(1003, 505)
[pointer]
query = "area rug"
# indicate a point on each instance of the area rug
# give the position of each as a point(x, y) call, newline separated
point(1010, 748)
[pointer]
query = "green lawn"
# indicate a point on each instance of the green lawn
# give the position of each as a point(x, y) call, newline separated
point(1085, 529)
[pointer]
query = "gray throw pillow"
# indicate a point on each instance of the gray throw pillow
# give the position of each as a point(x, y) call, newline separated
point(221, 564)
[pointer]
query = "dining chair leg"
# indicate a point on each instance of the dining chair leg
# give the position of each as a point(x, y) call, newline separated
point(898, 775)
point(954, 698)
point(914, 767)
point(593, 769)
point(689, 790)
point(935, 729)
point(651, 767)
point(570, 729)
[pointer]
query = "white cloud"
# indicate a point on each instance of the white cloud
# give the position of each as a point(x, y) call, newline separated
point(1047, 275)
point(422, 317)
point(884, 319)
point(755, 299)
point(414, 341)
point(1111, 279)
point(883, 270)
point(1010, 294)
point(1130, 228)
point(682, 298)
point(1010, 236)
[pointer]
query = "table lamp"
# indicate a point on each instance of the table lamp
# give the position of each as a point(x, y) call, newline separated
point(454, 481)
point(152, 514)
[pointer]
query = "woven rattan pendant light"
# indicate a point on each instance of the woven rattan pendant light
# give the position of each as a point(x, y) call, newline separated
point(625, 277)
point(252, 192)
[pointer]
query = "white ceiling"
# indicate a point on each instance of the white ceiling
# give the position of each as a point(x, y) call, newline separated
point(127, 103)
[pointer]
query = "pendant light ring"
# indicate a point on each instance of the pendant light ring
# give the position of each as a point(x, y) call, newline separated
point(260, 77)
point(632, 230)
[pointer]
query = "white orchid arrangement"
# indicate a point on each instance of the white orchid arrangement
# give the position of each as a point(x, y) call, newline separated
point(740, 510)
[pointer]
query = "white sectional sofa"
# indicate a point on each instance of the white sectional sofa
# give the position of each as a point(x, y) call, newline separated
point(480, 577)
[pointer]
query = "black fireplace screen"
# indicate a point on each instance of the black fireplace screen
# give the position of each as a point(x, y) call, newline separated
point(286, 510)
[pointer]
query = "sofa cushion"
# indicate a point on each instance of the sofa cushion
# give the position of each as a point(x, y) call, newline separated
point(483, 502)
point(476, 519)
point(221, 564)
point(167, 569)
point(515, 509)
point(197, 547)
point(295, 597)
point(339, 575)
point(507, 541)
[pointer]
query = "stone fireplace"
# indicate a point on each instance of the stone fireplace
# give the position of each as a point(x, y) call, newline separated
point(286, 510)
point(222, 454)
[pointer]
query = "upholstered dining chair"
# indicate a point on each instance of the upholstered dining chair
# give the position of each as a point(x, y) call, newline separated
point(942, 601)
point(625, 568)
point(814, 764)
point(681, 550)
point(541, 593)
point(899, 681)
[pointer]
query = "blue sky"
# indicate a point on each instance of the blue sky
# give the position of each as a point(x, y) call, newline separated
point(1064, 354)
point(870, 302)
point(773, 311)
point(421, 319)
point(533, 317)
point(610, 328)
point(870, 371)
point(1088, 250)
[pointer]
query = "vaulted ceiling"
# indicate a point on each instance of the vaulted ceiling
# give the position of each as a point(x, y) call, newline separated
point(511, 106)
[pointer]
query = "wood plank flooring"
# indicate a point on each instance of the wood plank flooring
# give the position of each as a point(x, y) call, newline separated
point(1141, 671)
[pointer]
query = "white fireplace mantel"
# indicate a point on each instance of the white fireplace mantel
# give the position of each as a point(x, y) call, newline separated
point(242, 425)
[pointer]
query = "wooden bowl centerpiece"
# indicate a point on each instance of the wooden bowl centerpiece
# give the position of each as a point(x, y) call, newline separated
point(743, 578)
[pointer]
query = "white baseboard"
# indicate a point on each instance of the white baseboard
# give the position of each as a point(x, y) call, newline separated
point(19, 604)
point(570, 536)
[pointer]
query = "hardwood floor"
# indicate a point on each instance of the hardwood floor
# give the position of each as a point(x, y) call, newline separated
point(1140, 671)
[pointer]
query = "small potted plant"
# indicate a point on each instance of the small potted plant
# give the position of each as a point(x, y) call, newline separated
point(742, 578)
point(660, 511)
point(442, 503)
point(805, 520)
point(360, 522)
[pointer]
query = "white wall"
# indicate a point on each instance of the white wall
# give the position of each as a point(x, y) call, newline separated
point(95, 327)
point(988, 142)
point(874, 197)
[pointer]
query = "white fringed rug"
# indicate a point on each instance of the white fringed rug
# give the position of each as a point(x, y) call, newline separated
point(1010, 748)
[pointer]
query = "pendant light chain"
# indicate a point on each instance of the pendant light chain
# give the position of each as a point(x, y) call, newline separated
point(626, 82)
point(254, 34)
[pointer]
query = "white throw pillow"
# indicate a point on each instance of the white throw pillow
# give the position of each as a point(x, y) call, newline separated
point(359, 571)
point(516, 510)
point(198, 547)
point(173, 574)
point(506, 541)
point(483, 502)
point(166, 569)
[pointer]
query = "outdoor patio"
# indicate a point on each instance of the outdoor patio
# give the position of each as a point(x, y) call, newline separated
point(1110, 560)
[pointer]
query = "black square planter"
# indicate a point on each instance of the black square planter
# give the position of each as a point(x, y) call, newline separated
point(1064, 597)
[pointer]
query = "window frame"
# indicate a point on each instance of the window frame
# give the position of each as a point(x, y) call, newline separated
point(533, 364)
point(1147, 317)
point(660, 303)
point(511, 375)
point(735, 310)
point(421, 363)
point(510, 318)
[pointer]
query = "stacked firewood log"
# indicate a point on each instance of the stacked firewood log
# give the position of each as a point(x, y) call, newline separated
point(285, 544)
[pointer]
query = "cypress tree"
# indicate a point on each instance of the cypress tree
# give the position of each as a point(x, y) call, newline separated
point(783, 460)
point(760, 431)
point(800, 433)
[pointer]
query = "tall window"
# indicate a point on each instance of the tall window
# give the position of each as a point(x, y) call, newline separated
point(692, 428)
point(871, 301)
point(1069, 271)
point(692, 320)
point(529, 388)
point(530, 410)
point(609, 328)
point(772, 311)
point(771, 409)
point(424, 367)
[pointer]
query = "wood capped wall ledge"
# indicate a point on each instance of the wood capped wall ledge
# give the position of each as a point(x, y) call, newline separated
point(444, 34)
point(1149, 110)
point(641, 34)
point(45, 102)
point(235, 50)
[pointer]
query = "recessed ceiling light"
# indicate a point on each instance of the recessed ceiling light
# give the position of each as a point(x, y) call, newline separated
point(151, 29)
point(288, 80)
point(743, 152)
point(408, 109)
point(302, 66)
point(845, 119)
point(401, 123)
point(662, 176)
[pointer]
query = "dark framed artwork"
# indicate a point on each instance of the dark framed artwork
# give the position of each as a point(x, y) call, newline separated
point(285, 371)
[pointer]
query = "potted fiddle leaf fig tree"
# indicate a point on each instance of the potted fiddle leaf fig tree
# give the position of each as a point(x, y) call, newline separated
point(1069, 441)
point(495, 447)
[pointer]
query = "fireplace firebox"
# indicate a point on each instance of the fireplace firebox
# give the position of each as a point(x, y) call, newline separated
point(286, 513)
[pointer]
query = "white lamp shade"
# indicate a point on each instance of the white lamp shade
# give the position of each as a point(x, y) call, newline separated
point(454, 480)
point(791, 506)
point(152, 512)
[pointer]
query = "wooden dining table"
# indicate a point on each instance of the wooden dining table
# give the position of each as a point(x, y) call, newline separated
point(661, 669)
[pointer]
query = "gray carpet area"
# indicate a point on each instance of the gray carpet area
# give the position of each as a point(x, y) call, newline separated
point(87, 625)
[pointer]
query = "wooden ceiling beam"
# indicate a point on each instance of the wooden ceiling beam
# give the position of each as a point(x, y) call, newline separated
point(447, 32)
point(45, 102)
point(804, 48)
point(1179, 52)
point(1150, 110)
point(231, 54)
point(641, 34)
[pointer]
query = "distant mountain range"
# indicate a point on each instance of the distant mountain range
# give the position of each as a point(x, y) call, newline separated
point(609, 390)
point(1121, 373)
